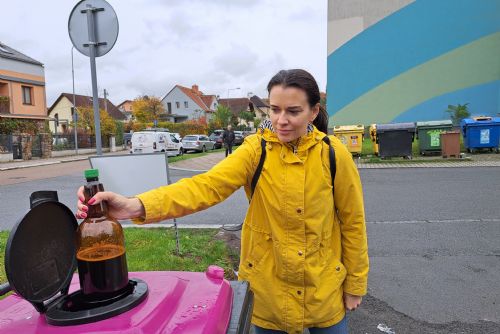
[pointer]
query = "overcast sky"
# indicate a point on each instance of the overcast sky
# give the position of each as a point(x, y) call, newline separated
point(217, 44)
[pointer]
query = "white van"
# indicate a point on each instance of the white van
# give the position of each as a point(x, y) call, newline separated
point(156, 141)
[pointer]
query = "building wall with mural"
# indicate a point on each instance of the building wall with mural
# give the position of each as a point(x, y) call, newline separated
point(404, 60)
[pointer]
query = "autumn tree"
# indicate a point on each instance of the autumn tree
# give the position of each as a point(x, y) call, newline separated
point(222, 115)
point(147, 109)
point(87, 124)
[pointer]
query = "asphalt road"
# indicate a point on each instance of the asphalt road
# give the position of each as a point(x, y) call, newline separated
point(433, 242)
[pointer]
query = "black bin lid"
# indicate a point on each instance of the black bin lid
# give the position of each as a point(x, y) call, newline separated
point(410, 127)
point(40, 256)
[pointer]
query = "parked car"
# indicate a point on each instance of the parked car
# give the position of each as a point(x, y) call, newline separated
point(177, 136)
point(238, 137)
point(217, 139)
point(199, 143)
point(156, 141)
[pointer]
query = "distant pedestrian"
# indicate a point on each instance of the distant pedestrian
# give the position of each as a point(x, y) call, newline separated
point(228, 138)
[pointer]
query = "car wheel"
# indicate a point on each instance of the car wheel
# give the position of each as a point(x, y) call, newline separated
point(203, 149)
point(181, 151)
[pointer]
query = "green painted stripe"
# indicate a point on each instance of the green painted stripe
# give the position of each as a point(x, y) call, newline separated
point(472, 64)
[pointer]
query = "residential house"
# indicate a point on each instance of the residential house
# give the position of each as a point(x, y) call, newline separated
point(254, 105)
point(62, 110)
point(22, 86)
point(126, 108)
point(260, 107)
point(182, 104)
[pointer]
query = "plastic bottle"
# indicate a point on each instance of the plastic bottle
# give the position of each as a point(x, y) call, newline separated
point(102, 263)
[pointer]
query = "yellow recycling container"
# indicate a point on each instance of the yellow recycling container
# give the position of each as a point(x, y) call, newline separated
point(373, 137)
point(351, 136)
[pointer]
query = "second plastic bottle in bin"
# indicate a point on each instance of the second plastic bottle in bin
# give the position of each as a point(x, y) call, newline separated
point(102, 263)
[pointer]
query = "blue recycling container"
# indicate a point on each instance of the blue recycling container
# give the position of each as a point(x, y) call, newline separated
point(481, 133)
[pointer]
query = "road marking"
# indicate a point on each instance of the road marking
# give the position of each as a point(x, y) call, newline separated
point(189, 170)
point(432, 221)
point(169, 225)
point(217, 226)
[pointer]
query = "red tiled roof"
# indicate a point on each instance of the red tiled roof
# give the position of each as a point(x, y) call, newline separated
point(86, 101)
point(236, 105)
point(196, 97)
point(208, 100)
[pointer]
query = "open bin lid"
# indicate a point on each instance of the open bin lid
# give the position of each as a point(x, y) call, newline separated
point(432, 124)
point(40, 255)
point(481, 120)
point(410, 127)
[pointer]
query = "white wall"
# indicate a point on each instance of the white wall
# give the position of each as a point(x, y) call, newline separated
point(176, 95)
point(63, 109)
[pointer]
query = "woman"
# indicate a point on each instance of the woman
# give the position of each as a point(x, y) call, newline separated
point(303, 250)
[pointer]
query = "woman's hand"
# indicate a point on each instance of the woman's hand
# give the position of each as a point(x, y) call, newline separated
point(119, 207)
point(352, 302)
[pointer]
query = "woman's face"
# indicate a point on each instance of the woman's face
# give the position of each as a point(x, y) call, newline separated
point(290, 112)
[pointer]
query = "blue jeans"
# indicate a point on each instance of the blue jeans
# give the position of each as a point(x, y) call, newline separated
point(339, 328)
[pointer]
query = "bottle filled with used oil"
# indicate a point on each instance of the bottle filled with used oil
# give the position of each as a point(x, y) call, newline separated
point(102, 264)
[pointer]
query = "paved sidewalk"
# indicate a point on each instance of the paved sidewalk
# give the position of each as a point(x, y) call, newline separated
point(204, 163)
point(50, 161)
point(444, 164)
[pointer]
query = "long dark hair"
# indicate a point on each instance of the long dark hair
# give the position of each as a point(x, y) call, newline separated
point(303, 80)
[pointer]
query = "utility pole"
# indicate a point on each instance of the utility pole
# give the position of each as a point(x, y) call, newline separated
point(105, 100)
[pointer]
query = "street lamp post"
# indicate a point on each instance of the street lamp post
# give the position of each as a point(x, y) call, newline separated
point(232, 89)
point(75, 115)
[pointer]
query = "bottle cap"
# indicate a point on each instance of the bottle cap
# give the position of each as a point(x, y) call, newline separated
point(91, 173)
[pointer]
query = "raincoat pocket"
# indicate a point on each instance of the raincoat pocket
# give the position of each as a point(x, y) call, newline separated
point(260, 247)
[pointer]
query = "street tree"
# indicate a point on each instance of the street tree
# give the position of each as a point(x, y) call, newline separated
point(147, 108)
point(86, 121)
point(222, 116)
point(458, 112)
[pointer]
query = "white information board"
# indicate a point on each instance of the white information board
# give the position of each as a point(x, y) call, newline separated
point(131, 174)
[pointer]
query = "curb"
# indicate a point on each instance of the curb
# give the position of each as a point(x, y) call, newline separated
point(189, 170)
point(48, 163)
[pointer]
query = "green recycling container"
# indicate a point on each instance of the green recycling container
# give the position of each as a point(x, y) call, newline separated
point(429, 135)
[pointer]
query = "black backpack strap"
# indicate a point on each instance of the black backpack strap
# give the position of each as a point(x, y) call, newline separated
point(255, 179)
point(256, 176)
point(333, 165)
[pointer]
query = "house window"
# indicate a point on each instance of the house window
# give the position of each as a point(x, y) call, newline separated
point(27, 94)
point(185, 104)
point(169, 107)
point(178, 105)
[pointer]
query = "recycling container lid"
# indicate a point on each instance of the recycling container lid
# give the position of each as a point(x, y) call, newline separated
point(40, 255)
point(446, 122)
point(481, 121)
point(396, 127)
point(356, 128)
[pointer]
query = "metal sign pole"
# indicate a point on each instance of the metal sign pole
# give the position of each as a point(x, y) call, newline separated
point(95, 94)
point(84, 31)
point(75, 115)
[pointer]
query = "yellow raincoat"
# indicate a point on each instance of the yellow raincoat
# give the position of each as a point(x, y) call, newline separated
point(297, 252)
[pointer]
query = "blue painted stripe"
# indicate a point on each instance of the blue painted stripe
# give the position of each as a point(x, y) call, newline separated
point(411, 36)
point(483, 100)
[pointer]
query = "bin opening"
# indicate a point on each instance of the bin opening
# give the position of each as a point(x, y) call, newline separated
point(482, 118)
